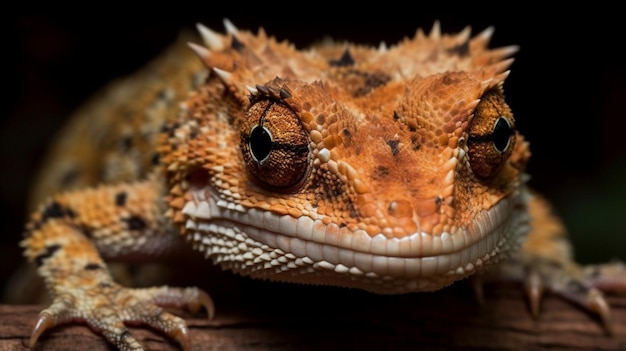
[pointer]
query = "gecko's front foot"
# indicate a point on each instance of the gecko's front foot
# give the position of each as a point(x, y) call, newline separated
point(571, 284)
point(582, 285)
point(108, 306)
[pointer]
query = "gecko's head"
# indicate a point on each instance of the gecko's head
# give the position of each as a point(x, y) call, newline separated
point(389, 169)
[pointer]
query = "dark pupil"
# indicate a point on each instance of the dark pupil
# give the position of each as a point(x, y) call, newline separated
point(260, 143)
point(501, 134)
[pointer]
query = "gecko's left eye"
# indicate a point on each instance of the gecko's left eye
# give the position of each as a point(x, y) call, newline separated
point(491, 135)
point(275, 146)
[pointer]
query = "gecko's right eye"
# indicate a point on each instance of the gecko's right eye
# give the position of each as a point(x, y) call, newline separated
point(491, 135)
point(275, 146)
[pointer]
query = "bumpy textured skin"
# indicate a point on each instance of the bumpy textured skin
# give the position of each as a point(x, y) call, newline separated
point(391, 169)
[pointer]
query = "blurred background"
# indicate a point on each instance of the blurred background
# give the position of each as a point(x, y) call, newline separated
point(567, 90)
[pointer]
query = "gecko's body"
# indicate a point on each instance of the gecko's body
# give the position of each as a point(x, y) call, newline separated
point(392, 169)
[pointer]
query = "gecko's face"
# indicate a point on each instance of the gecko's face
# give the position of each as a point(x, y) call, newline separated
point(393, 169)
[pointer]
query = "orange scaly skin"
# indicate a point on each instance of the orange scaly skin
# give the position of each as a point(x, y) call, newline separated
point(393, 169)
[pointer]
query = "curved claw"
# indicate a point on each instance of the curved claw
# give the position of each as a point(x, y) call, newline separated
point(45, 322)
point(598, 304)
point(206, 301)
point(534, 291)
point(181, 335)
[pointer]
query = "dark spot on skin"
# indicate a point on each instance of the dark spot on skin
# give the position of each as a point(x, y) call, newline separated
point(447, 80)
point(462, 49)
point(163, 95)
point(92, 266)
point(328, 190)
point(237, 44)
point(382, 171)
point(193, 134)
point(135, 223)
point(416, 145)
point(105, 285)
point(393, 144)
point(156, 159)
point(352, 210)
point(127, 143)
point(55, 210)
point(50, 250)
point(87, 231)
point(347, 133)
point(576, 287)
point(371, 81)
point(168, 127)
point(171, 129)
point(333, 190)
point(438, 201)
point(69, 176)
point(595, 273)
point(120, 198)
point(345, 60)
point(396, 116)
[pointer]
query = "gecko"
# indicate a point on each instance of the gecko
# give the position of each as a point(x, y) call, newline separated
point(391, 169)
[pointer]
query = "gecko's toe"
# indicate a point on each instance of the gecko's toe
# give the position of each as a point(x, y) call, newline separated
point(590, 298)
point(575, 288)
point(608, 277)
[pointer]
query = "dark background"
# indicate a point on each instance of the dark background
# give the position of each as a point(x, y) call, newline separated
point(566, 89)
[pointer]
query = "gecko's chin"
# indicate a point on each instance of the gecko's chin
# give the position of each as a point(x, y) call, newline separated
point(264, 245)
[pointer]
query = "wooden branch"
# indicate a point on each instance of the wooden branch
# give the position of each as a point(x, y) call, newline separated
point(279, 317)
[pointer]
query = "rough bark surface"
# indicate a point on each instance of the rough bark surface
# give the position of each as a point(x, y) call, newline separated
point(318, 318)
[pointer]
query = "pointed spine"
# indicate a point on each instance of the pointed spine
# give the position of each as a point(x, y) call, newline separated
point(224, 76)
point(210, 38)
point(230, 27)
point(382, 47)
point(505, 51)
point(464, 34)
point(435, 32)
point(252, 90)
point(200, 51)
point(483, 38)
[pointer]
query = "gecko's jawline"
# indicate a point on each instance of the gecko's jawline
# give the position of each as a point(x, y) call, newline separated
point(310, 242)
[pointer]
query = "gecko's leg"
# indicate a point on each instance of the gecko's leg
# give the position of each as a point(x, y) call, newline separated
point(545, 263)
point(67, 240)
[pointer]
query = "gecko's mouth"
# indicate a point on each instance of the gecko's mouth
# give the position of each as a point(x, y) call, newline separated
point(261, 243)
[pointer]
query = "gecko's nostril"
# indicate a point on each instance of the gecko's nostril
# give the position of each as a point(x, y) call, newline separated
point(400, 208)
